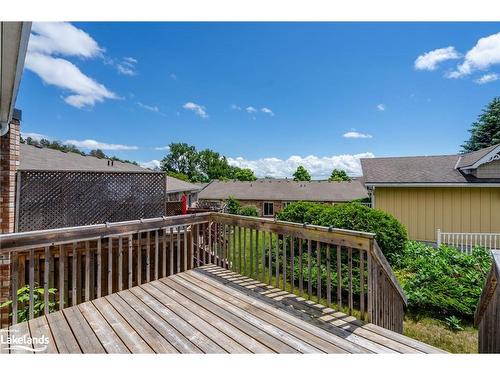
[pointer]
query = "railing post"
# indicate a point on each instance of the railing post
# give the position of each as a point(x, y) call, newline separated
point(438, 238)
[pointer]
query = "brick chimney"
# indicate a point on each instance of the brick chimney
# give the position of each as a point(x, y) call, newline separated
point(9, 163)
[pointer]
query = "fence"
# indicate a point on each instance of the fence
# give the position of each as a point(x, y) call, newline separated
point(58, 199)
point(465, 242)
point(58, 268)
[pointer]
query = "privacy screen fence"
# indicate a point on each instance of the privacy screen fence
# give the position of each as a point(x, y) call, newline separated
point(57, 199)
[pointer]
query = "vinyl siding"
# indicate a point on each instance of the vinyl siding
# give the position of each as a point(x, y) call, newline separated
point(423, 210)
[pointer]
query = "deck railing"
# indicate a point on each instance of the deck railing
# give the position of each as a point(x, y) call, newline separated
point(487, 316)
point(339, 268)
point(466, 242)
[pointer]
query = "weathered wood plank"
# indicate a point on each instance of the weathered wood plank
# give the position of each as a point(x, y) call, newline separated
point(83, 333)
point(39, 328)
point(63, 336)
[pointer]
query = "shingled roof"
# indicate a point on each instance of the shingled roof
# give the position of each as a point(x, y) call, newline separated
point(46, 159)
point(438, 169)
point(284, 190)
point(175, 185)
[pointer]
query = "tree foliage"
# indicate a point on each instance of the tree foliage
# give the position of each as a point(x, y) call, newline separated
point(201, 166)
point(339, 175)
point(301, 174)
point(485, 131)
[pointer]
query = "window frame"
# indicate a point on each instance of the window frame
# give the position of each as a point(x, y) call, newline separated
point(264, 208)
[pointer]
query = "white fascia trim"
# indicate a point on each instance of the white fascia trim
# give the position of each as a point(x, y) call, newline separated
point(485, 159)
point(435, 184)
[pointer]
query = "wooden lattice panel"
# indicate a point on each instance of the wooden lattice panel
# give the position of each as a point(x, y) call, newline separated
point(56, 199)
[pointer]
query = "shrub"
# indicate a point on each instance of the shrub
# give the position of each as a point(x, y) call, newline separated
point(23, 297)
point(233, 206)
point(248, 211)
point(442, 282)
point(390, 234)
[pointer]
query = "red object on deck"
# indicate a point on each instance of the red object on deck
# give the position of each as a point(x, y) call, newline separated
point(184, 204)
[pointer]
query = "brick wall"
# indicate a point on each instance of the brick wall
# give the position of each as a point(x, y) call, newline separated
point(9, 163)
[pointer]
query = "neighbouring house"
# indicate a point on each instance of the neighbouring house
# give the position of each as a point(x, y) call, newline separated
point(453, 193)
point(270, 196)
point(177, 188)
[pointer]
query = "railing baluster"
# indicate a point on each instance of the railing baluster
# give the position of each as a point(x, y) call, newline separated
point(15, 285)
point(301, 269)
point(309, 275)
point(191, 248)
point(251, 253)
point(74, 272)
point(62, 271)
point(239, 250)
point(120, 263)
point(164, 253)
point(292, 264)
point(157, 254)
point(46, 271)
point(198, 242)
point(223, 247)
point(318, 270)
point(185, 249)
point(99, 268)
point(263, 255)
point(328, 277)
point(32, 283)
point(245, 251)
point(349, 254)
point(139, 258)
point(284, 262)
point(87, 271)
point(110, 265)
point(130, 260)
point(148, 256)
point(362, 283)
point(178, 249)
point(209, 242)
point(339, 277)
point(216, 245)
point(234, 254)
point(256, 254)
point(171, 251)
point(277, 261)
point(270, 257)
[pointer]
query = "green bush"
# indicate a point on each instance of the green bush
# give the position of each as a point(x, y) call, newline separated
point(390, 234)
point(248, 211)
point(442, 282)
point(233, 206)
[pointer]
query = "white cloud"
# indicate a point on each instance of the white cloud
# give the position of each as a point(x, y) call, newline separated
point(250, 109)
point(173, 76)
point(147, 107)
point(355, 134)
point(126, 66)
point(62, 38)
point(267, 111)
point(130, 60)
point(35, 136)
point(196, 108)
point(162, 148)
point(53, 39)
point(92, 144)
point(64, 74)
point(484, 54)
point(381, 107)
point(487, 78)
point(152, 164)
point(235, 107)
point(431, 60)
point(319, 167)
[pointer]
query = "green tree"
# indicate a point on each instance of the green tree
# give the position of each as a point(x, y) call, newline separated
point(339, 175)
point(182, 158)
point(244, 174)
point(485, 131)
point(233, 206)
point(301, 174)
point(213, 166)
point(97, 153)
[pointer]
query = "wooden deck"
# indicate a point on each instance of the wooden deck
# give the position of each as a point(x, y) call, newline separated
point(207, 310)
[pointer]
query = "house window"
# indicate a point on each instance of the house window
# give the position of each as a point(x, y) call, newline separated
point(268, 209)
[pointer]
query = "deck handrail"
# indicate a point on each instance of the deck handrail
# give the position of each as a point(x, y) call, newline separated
point(25, 240)
point(487, 316)
point(381, 295)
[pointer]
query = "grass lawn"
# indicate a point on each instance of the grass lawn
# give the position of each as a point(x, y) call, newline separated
point(435, 332)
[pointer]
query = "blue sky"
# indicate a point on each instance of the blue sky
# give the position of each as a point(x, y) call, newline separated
point(268, 95)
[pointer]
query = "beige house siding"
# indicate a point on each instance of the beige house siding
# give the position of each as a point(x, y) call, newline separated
point(489, 170)
point(423, 210)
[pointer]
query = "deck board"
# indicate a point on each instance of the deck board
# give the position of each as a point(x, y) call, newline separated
point(209, 310)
